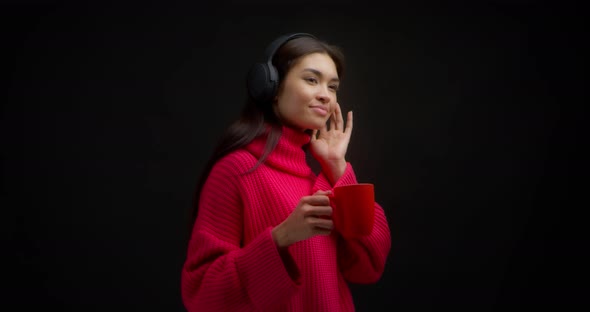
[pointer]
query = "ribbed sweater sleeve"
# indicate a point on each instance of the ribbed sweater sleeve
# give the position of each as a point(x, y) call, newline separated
point(221, 275)
point(362, 260)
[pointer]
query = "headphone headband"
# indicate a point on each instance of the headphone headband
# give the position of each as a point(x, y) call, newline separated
point(277, 43)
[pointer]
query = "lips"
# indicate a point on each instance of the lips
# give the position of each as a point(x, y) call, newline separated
point(320, 110)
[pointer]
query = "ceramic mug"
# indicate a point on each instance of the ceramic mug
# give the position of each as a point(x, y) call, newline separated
point(353, 209)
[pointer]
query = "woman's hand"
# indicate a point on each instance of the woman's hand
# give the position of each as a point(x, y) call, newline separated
point(311, 217)
point(329, 147)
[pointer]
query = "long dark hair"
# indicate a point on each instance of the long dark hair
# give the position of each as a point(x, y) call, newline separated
point(256, 116)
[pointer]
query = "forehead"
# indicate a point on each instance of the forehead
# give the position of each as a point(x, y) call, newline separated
point(318, 61)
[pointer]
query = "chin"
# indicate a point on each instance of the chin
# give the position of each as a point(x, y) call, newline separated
point(316, 126)
point(312, 124)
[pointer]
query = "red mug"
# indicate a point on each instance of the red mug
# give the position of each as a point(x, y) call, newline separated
point(353, 209)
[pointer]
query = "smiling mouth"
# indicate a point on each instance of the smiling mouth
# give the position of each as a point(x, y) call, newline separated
point(320, 110)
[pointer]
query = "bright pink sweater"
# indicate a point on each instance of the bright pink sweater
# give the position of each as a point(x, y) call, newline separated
point(232, 262)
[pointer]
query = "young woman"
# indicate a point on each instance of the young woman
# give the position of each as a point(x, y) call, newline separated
point(262, 238)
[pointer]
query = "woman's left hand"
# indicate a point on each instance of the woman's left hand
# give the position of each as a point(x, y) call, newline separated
point(329, 147)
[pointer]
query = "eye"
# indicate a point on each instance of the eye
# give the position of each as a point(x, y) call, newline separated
point(311, 80)
point(334, 88)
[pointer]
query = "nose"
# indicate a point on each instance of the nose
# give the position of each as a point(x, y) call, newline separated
point(323, 95)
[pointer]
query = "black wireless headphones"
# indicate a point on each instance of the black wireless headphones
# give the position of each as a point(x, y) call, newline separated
point(263, 78)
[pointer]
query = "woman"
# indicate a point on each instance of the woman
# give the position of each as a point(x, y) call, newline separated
point(263, 239)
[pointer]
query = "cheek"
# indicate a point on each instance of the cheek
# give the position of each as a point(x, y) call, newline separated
point(290, 107)
point(333, 102)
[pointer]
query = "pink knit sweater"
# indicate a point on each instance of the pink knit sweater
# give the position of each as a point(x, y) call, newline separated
point(232, 262)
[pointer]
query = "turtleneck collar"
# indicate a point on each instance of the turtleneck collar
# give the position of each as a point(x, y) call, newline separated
point(289, 154)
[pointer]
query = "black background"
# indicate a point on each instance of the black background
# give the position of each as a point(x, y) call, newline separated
point(468, 119)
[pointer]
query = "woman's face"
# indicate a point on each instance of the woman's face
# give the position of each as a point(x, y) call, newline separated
point(307, 96)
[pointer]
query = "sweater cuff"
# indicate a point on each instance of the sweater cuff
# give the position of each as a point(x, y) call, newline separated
point(322, 183)
point(263, 272)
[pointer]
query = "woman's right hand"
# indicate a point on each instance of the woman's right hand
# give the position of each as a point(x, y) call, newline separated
point(311, 217)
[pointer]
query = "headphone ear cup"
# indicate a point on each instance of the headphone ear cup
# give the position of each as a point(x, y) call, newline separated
point(262, 82)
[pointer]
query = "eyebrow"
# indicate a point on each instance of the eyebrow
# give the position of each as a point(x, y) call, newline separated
point(319, 73)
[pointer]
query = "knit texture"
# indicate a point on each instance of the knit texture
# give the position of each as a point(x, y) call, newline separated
point(232, 262)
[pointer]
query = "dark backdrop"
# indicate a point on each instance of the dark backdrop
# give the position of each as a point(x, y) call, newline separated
point(467, 119)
